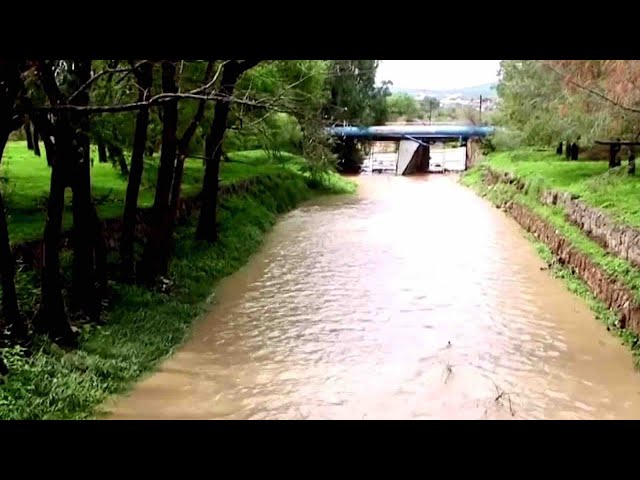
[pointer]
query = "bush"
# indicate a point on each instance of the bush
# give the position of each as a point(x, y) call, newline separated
point(503, 140)
point(279, 131)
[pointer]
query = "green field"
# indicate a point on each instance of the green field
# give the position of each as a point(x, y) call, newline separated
point(25, 185)
point(611, 190)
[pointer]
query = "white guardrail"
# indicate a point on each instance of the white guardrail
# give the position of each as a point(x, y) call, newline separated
point(442, 160)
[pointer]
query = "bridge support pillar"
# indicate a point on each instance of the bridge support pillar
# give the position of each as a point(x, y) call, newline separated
point(419, 162)
point(474, 152)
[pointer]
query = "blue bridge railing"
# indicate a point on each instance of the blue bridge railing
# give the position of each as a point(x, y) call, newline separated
point(416, 131)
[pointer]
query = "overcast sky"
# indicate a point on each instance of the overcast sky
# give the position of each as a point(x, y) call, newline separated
point(438, 74)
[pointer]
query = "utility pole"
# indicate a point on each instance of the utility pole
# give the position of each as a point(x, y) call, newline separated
point(480, 108)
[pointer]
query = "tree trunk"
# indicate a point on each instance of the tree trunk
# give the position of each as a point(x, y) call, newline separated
point(122, 163)
point(10, 310)
point(85, 293)
point(176, 187)
point(207, 226)
point(52, 318)
point(49, 149)
point(117, 156)
point(183, 150)
point(14, 320)
point(559, 149)
point(11, 84)
point(27, 132)
point(102, 153)
point(87, 236)
point(155, 259)
point(36, 140)
point(3, 368)
point(145, 78)
point(612, 156)
point(575, 151)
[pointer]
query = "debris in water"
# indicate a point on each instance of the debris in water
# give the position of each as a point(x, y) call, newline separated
point(501, 393)
point(448, 371)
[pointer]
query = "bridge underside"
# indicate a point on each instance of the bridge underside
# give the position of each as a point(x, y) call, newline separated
point(415, 141)
point(418, 155)
point(422, 139)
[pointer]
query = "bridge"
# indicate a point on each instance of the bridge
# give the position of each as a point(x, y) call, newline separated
point(414, 142)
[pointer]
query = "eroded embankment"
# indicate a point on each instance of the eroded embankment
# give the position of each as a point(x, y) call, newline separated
point(29, 253)
point(615, 293)
point(619, 239)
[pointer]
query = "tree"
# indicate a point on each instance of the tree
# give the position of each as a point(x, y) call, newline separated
point(378, 106)
point(430, 105)
point(403, 105)
point(531, 102)
point(156, 254)
point(144, 81)
point(207, 222)
point(605, 92)
point(63, 84)
point(10, 87)
point(549, 101)
point(354, 97)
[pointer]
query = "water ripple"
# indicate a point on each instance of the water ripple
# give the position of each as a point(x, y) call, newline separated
point(417, 300)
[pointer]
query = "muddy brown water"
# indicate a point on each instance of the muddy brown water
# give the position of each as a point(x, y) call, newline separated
point(414, 299)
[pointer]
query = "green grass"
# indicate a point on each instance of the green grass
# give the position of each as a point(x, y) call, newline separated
point(25, 184)
point(614, 266)
point(611, 190)
point(144, 326)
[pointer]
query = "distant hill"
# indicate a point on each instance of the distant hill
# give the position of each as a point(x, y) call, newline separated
point(487, 90)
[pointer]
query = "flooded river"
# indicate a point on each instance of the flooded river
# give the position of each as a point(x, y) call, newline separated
point(414, 299)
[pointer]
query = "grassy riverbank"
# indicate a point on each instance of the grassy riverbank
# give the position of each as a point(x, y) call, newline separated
point(596, 186)
point(143, 326)
point(610, 190)
point(25, 185)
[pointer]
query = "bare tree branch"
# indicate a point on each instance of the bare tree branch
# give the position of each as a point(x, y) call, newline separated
point(593, 92)
point(155, 100)
point(206, 87)
point(89, 82)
